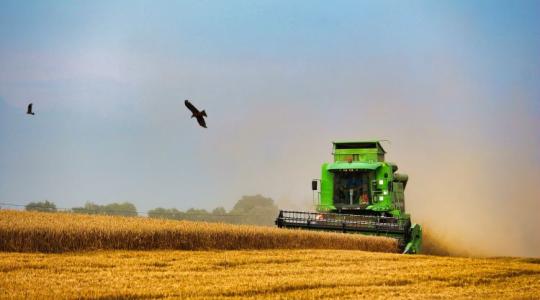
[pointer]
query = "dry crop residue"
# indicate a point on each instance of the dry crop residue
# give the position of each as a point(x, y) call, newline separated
point(258, 274)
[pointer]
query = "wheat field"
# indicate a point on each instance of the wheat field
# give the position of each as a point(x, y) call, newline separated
point(263, 274)
point(61, 232)
point(41, 258)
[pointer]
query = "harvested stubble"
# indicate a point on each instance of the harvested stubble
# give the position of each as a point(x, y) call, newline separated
point(62, 232)
point(264, 274)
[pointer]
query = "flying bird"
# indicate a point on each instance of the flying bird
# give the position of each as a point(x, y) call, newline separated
point(29, 110)
point(196, 113)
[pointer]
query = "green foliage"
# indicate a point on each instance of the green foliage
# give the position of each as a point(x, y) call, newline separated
point(256, 210)
point(165, 213)
point(44, 206)
point(249, 203)
point(115, 209)
point(219, 211)
point(191, 214)
point(194, 214)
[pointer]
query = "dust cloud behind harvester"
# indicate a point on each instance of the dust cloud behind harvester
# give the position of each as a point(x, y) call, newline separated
point(472, 156)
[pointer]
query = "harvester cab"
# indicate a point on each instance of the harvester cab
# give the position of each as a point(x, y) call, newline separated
point(362, 193)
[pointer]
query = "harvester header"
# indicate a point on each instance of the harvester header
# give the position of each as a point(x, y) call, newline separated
point(360, 192)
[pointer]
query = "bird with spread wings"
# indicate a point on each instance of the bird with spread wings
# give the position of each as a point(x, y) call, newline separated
point(195, 113)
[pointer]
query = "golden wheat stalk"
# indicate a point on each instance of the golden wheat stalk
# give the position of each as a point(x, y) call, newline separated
point(61, 232)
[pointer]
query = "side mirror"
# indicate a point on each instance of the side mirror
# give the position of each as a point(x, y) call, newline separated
point(314, 185)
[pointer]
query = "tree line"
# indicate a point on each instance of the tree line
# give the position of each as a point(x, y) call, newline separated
point(257, 210)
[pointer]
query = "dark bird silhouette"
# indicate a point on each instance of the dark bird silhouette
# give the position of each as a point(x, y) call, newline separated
point(29, 110)
point(196, 113)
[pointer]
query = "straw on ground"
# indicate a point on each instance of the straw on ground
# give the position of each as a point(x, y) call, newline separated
point(263, 274)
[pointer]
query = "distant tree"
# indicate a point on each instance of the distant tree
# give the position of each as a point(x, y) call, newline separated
point(115, 209)
point(89, 208)
point(45, 206)
point(219, 211)
point(257, 210)
point(194, 214)
point(196, 211)
point(166, 213)
point(217, 215)
point(157, 213)
point(120, 209)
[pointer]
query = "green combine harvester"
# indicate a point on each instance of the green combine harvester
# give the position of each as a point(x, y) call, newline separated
point(359, 193)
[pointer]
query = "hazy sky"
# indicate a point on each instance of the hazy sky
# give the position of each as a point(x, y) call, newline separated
point(454, 85)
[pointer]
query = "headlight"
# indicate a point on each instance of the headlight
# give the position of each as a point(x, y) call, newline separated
point(381, 182)
point(381, 198)
point(385, 192)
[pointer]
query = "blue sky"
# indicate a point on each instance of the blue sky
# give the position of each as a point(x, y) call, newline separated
point(455, 85)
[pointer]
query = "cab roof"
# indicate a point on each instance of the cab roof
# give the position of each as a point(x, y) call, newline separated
point(369, 144)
